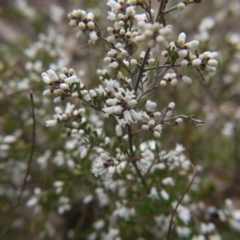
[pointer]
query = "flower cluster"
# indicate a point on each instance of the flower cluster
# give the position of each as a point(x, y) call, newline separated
point(113, 129)
point(84, 21)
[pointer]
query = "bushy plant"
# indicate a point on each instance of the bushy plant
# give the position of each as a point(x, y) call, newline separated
point(111, 163)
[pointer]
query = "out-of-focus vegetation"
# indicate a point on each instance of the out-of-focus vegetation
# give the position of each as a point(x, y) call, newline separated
point(35, 37)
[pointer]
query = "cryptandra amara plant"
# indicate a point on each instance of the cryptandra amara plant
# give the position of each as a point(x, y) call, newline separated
point(138, 181)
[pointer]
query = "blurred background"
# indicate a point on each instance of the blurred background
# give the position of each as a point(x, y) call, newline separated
point(35, 36)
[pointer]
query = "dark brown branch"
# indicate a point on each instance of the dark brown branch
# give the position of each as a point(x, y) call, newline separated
point(5, 230)
point(141, 69)
point(133, 161)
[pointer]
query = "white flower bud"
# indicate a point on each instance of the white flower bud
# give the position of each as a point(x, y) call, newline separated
point(158, 128)
point(118, 110)
point(156, 134)
point(70, 80)
point(139, 38)
point(111, 170)
point(64, 86)
point(82, 25)
point(123, 53)
point(179, 120)
point(184, 63)
point(181, 6)
point(46, 92)
point(113, 65)
point(196, 62)
point(132, 2)
point(51, 123)
point(163, 83)
point(145, 117)
point(71, 71)
point(93, 36)
point(150, 106)
point(151, 123)
point(90, 16)
point(75, 95)
point(107, 59)
point(79, 34)
point(193, 45)
point(212, 55)
point(164, 195)
point(92, 93)
point(52, 75)
point(186, 79)
point(58, 92)
point(112, 101)
point(166, 31)
point(84, 92)
point(171, 105)
point(182, 53)
point(133, 62)
point(57, 100)
point(132, 103)
point(181, 39)
point(90, 25)
point(122, 32)
point(110, 29)
point(210, 69)
point(160, 39)
point(73, 23)
point(212, 62)
point(77, 13)
point(157, 115)
point(174, 82)
point(145, 127)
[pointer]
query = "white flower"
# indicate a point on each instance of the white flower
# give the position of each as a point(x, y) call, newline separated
point(193, 45)
point(114, 6)
point(168, 181)
point(124, 212)
point(51, 123)
point(127, 117)
point(183, 232)
point(87, 199)
point(164, 195)
point(72, 79)
point(93, 36)
point(182, 53)
point(181, 39)
point(150, 106)
point(137, 116)
point(98, 225)
point(153, 193)
point(186, 79)
point(184, 214)
point(52, 75)
point(108, 110)
point(33, 201)
point(196, 62)
point(171, 105)
point(206, 24)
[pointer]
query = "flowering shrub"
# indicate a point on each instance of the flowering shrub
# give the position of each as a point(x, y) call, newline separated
point(109, 164)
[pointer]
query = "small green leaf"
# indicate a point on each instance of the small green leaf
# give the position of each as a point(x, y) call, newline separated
point(142, 102)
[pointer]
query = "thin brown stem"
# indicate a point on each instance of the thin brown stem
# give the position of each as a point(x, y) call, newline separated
point(129, 130)
point(179, 202)
point(152, 86)
point(33, 138)
point(165, 66)
point(141, 69)
point(161, 8)
point(32, 149)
